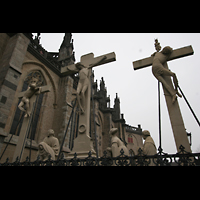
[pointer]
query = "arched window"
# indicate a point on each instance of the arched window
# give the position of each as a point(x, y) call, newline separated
point(130, 139)
point(17, 123)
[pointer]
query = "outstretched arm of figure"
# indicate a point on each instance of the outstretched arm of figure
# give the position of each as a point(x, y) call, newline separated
point(93, 64)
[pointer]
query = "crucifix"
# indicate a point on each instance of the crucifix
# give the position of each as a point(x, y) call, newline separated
point(83, 143)
point(28, 100)
point(160, 70)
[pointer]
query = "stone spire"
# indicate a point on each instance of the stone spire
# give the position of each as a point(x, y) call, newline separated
point(66, 54)
point(102, 84)
point(116, 113)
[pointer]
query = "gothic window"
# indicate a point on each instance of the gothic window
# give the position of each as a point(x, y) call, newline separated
point(17, 123)
point(130, 139)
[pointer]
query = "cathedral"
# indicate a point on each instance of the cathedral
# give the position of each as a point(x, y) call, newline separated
point(23, 57)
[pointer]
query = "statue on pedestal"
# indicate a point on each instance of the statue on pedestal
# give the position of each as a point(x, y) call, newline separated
point(149, 147)
point(50, 145)
point(117, 144)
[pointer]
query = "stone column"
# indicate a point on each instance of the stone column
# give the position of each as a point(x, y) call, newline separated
point(13, 55)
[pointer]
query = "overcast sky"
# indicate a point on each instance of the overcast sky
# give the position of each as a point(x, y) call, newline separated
point(137, 90)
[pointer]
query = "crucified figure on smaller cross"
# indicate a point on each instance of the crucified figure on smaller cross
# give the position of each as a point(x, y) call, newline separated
point(84, 81)
point(33, 89)
point(158, 69)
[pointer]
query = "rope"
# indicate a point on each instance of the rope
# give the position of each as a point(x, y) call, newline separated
point(67, 128)
point(189, 105)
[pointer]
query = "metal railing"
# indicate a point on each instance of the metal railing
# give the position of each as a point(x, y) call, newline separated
point(182, 158)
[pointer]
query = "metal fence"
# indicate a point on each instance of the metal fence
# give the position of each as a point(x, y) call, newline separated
point(182, 158)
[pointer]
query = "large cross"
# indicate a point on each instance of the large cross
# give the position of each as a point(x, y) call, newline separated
point(176, 119)
point(26, 124)
point(83, 143)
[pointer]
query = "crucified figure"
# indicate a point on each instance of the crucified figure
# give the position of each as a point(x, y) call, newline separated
point(84, 81)
point(159, 59)
point(33, 89)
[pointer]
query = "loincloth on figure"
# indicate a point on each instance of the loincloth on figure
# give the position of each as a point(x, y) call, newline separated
point(158, 69)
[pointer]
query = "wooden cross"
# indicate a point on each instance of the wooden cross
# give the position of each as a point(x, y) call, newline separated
point(176, 119)
point(83, 142)
point(26, 125)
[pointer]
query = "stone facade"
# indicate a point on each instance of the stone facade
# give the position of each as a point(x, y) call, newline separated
point(19, 55)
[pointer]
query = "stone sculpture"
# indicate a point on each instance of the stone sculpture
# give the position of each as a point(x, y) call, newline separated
point(33, 89)
point(149, 147)
point(82, 144)
point(35, 81)
point(49, 146)
point(84, 81)
point(158, 70)
point(116, 144)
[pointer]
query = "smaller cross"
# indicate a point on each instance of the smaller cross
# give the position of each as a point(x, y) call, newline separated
point(89, 61)
point(83, 143)
point(26, 123)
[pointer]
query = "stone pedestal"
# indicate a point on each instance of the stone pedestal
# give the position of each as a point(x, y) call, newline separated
point(82, 145)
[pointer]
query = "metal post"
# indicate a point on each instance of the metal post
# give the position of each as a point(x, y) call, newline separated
point(94, 119)
point(159, 114)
